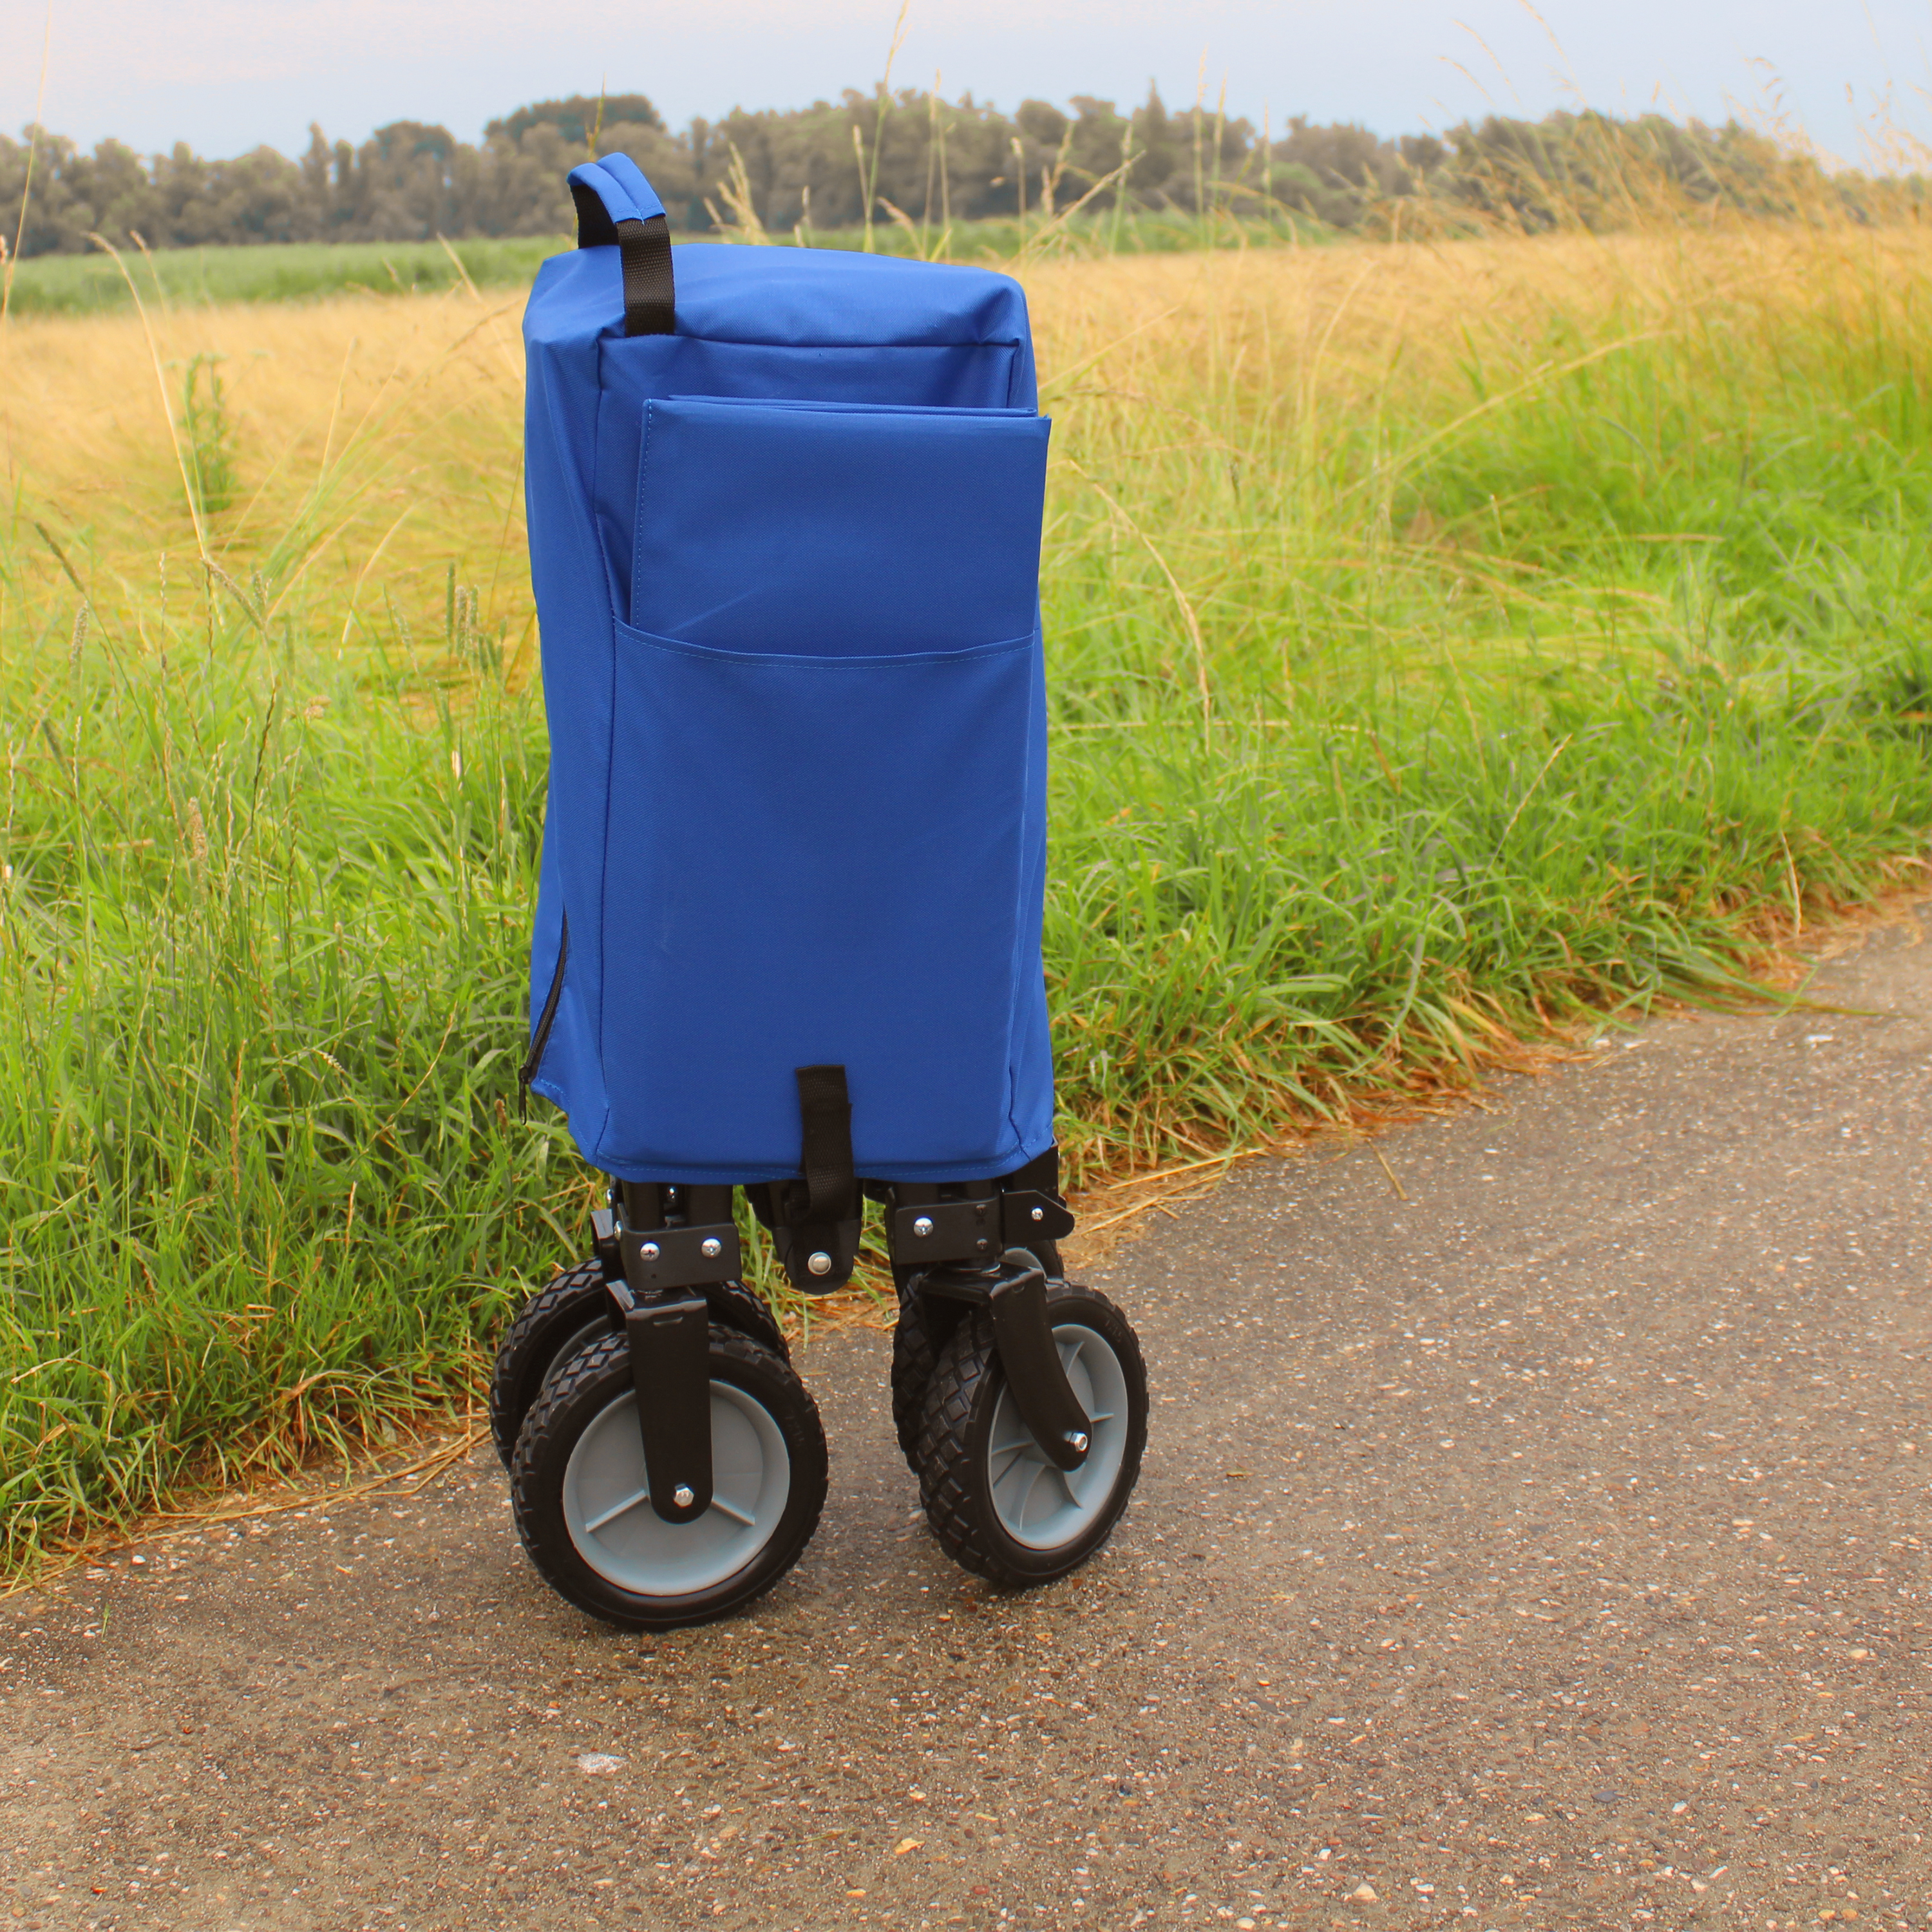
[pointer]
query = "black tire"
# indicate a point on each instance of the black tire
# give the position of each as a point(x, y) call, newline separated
point(921, 1330)
point(580, 1470)
point(918, 1335)
point(745, 1309)
point(979, 1473)
point(575, 1309)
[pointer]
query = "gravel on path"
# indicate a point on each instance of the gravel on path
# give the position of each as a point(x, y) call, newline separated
point(1546, 1548)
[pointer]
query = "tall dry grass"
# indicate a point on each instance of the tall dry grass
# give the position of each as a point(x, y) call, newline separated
point(379, 437)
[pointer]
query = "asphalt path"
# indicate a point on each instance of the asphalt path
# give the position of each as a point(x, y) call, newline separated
point(1543, 1544)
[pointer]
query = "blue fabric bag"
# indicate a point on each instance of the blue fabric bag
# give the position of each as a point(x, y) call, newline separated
point(784, 533)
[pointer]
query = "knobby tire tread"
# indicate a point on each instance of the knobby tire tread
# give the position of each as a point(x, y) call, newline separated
point(523, 1360)
point(919, 1334)
point(516, 1380)
point(942, 1460)
point(917, 1338)
point(950, 1469)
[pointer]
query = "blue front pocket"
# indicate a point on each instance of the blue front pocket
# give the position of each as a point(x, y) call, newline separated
point(815, 860)
point(839, 529)
point(824, 838)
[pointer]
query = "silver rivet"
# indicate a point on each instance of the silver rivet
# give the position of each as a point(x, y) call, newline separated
point(820, 1264)
point(711, 1250)
point(684, 1495)
point(1076, 1439)
point(922, 1226)
point(1039, 1213)
point(649, 1251)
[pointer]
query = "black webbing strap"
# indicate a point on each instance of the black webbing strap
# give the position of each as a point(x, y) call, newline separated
point(650, 294)
point(650, 302)
point(825, 1114)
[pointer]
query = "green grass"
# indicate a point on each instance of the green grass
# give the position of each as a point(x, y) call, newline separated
point(274, 272)
point(1464, 752)
point(309, 271)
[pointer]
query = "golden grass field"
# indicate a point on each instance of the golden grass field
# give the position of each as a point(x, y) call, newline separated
point(377, 438)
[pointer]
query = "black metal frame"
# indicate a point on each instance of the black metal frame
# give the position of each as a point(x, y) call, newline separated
point(977, 1242)
point(1013, 1292)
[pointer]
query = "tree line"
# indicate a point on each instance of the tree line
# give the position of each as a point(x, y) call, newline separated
point(901, 158)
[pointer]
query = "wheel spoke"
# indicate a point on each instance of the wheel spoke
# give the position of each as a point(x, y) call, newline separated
point(1015, 1481)
point(597, 1522)
point(731, 1510)
point(1039, 1469)
point(1015, 1438)
point(1062, 1515)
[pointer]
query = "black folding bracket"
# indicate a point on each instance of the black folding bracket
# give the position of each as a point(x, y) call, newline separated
point(965, 1230)
point(1014, 1294)
point(946, 1231)
point(670, 1369)
point(1026, 1215)
point(605, 1245)
point(666, 1258)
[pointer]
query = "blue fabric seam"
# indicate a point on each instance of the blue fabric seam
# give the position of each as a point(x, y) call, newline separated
point(610, 760)
point(637, 520)
point(697, 1174)
point(1021, 949)
point(716, 654)
point(808, 406)
point(613, 330)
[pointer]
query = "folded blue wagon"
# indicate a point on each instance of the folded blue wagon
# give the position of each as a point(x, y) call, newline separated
point(784, 515)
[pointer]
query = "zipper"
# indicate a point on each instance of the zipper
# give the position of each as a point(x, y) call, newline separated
point(540, 1039)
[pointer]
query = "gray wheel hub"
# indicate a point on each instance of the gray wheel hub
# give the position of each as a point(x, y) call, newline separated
point(1038, 1503)
point(606, 1502)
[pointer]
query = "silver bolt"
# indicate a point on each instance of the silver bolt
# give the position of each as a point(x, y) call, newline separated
point(711, 1249)
point(649, 1251)
point(820, 1263)
point(922, 1226)
point(1076, 1439)
point(684, 1495)
point(1039, 1213)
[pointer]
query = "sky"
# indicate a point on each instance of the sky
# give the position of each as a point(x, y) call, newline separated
point(227, 75)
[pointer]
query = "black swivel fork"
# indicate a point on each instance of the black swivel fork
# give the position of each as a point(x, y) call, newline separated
point(965, 1243)
point(973, 1243)
point(673, 1242)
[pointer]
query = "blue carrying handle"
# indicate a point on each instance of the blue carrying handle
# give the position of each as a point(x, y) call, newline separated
point(617, 207)
point(608, 192)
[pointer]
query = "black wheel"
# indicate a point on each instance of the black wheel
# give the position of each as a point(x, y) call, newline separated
point(923, 1324)
point(582, 1501)
point(1001, 1509)
point(576, 1309)
point(918, 1335)
point(745, 1309)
